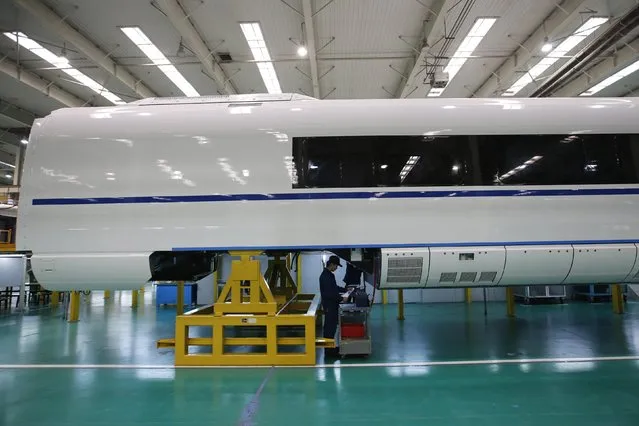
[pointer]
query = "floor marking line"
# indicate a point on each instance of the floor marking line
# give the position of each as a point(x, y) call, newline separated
point(249, 410)
point(336, 365)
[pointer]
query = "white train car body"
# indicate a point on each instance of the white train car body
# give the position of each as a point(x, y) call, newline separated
point(105, 188)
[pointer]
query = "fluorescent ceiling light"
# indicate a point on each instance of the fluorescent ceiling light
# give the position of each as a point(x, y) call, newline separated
point(62, 63)
point(140, 39)
point(590, 26)
point(253, 34)
point(465, 50)
point(412, 160)
point(612, 79)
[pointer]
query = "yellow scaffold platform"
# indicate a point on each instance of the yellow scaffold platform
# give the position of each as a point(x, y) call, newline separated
point(246, 326)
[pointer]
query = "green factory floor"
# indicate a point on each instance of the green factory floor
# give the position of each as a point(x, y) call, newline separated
point(446, 364)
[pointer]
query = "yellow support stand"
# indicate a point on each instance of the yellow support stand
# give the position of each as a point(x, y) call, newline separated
point(55, 299)
point(74, 314)
point(400, 300)
point(510, 302)
point(468, 295)
point(299, 273)
point(107, 294)
point(179, 309)
point(246, 289)
point(617, 299)
point(134, 298)
point(384, 297)
point(279, 279)
point(245, 317)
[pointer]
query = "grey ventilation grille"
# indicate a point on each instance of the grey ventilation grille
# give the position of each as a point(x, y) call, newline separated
point(447, 277)
point(409, 262)
point(487, 276)
point(467, 277)
point(405, 270)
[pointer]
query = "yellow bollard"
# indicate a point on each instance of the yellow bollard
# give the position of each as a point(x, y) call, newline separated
point(468, 295)
point(617, 299)
point(180, 298)
point(74, 314)
point(299, 273)
point(55, 299)
point(134, 298)
point(510, 302)
point(384, 297)
point(400, 300)
point(107, 294)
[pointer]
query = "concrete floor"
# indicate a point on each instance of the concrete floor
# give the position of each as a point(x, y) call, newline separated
point(48, 373)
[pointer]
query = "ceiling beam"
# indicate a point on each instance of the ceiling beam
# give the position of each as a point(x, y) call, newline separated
point(7, 158)
point(19, 116)
point(58, 24)
point(310, 41)
point(12, 69)
point(622, 58)
point(553, 23)
point(432, 26)
point(181, 22)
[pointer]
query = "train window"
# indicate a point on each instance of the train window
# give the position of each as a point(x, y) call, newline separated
point(556, 159)
point(382, 161)
point(400, 161)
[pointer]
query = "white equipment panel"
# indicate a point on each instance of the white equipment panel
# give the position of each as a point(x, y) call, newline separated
point(595, 264)
point(466, 267)
point(405, 268)
point(532, 265)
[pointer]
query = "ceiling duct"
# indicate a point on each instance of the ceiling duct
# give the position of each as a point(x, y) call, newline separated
point(574, 67)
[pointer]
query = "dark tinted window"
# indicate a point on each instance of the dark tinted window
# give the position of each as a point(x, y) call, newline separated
point(556, 159)
point(393, 161)
point(378, 161)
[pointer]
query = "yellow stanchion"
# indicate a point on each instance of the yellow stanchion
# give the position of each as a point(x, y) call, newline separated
point(74, 314)
point(617, 299)
point(468, 295)
point(510, 302)
point(180, 298)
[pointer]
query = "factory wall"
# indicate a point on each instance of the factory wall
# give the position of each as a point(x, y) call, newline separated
point(312, 265)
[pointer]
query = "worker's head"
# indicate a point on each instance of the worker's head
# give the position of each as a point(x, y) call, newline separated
point(333, 263)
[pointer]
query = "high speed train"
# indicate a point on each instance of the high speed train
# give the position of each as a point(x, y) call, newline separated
point(422, 193)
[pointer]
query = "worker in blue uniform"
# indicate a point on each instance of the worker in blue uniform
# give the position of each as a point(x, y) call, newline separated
point(331, 296)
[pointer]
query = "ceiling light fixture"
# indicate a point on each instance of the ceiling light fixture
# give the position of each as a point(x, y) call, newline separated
point(25, 141)
point(137, 36)
point(465, 50)
point(590, 26)
point(408, 166)
point(2, 163)
point(302, 51)
point(253, 34)
point(62, 63)
point(546, 47)
point(612, 79)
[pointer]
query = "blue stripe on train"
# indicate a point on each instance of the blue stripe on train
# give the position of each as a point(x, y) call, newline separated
point(465, 193)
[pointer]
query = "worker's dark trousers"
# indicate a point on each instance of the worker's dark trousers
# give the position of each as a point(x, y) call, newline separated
point(330, 320)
